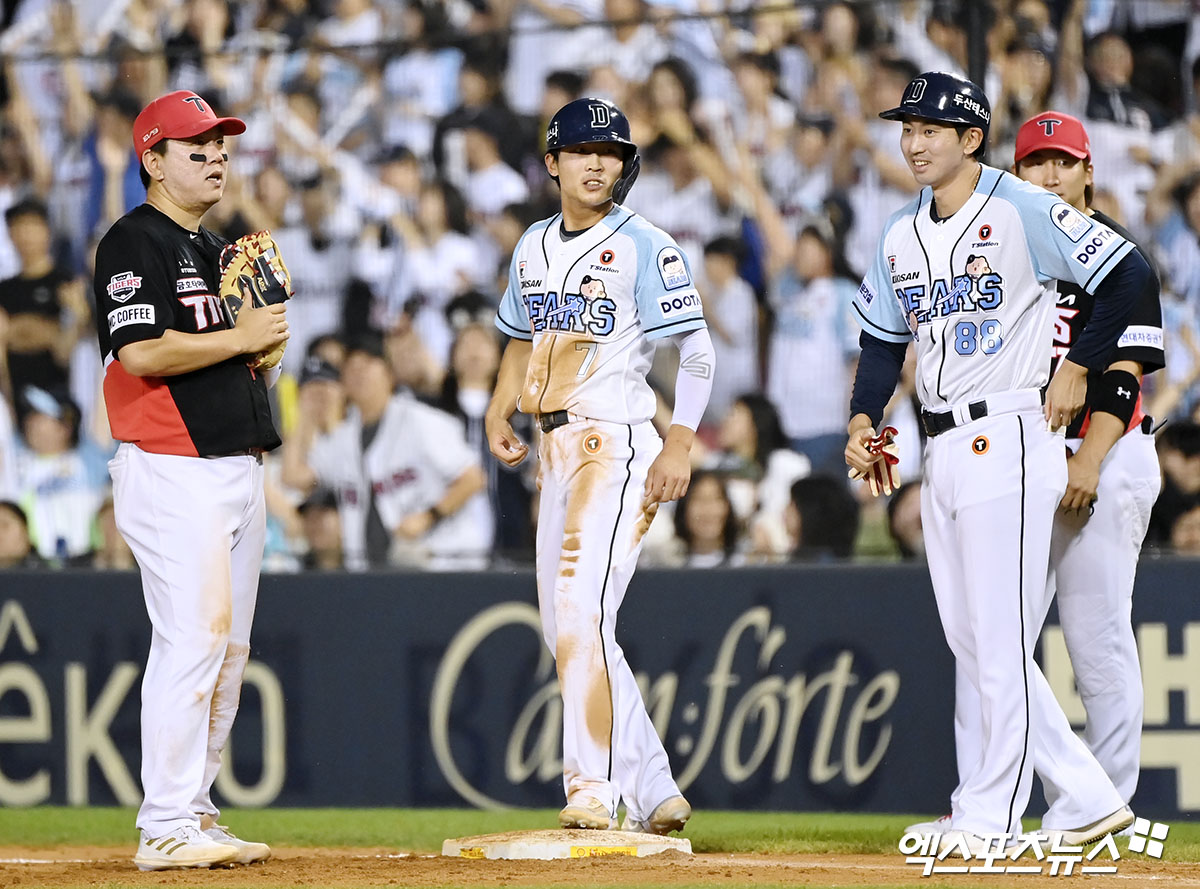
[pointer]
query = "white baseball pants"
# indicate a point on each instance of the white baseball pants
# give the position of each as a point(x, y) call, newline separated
point(590, 529)
point(1093, 560)
point(196, 527)
point(987, 508)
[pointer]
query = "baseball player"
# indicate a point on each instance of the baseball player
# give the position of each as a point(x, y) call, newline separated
point(193, 420)
point(1113, 476)
point(995, 472)
point(589, 292)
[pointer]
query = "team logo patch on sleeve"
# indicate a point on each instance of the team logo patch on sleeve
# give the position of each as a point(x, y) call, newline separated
point(1141, 335)
point(1072, 223)
point(672, 269)
point(123, 317)
point(866, 295)
point(122, 286)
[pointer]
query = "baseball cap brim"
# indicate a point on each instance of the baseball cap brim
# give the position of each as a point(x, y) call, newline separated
point(1049, 145)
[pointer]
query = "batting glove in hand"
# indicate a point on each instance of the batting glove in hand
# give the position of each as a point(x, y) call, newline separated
point(883, 475)
point(253, 271)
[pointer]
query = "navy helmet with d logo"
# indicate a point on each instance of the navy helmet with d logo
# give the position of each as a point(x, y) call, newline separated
point(595, 120)
point(945, 98)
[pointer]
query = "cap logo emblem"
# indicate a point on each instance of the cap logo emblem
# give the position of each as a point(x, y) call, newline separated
point(916, 90)
point(150, 135)
point(1048, 124)
point(198, 102)
point(600, 115)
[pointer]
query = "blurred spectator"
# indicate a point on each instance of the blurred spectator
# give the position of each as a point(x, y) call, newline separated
point(1111, 95)
point(1173, 211)
point(322, 532)
point(62, 483)
point(1178, 448)
point(760, 469)
point(904, 521)
point(317, 250)
point(440, 263)
point(480, 105)
point(16, 549)
point(705, 523)
point(491, 183)
point(114, 184)
point(47, 307)
point(813, 341)
point(466, 391)
point(111, 552)
point(822, 519)
point(732, 314)
point(407, 482)
point(1185, 533)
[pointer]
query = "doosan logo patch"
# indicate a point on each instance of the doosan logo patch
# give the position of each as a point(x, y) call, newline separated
point(1072, 223)
point(672, 270)
point(122, 286)
point(139, 314)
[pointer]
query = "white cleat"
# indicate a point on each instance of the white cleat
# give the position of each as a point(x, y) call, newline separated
point(248, 853)
point(669, 815)
point(183, 847)
point(589, 814)
point(1097, 830)
point(923, 827)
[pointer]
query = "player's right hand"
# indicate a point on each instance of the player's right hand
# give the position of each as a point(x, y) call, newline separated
point(504, 443)
point(262, 329)
point(858, 456)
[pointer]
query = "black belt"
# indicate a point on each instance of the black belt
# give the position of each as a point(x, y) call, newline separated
point(936, 424)
point(256, 453)
point(553, 420)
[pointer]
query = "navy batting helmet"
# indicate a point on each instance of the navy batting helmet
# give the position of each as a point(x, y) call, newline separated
point(595, 120)
point(936, 95)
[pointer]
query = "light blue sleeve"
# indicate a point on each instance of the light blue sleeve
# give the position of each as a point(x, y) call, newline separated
point(1063, 242)
point(667, 300)
point(512, 318)
point(875, 306)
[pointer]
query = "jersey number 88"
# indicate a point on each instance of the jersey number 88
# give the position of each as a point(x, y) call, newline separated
point(988, 336)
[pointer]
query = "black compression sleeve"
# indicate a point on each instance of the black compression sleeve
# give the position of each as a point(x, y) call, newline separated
point(1116, 297)
point(878, 372)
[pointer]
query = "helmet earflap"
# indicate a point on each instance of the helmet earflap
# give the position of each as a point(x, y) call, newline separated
point(595, 120)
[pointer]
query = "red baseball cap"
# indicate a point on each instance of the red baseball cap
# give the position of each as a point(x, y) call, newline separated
point(179, 115)
point(1053, 131)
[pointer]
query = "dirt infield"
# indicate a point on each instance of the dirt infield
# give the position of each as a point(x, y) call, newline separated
point(336, 868)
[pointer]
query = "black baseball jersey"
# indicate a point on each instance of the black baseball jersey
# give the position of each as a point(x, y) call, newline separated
point(1142, 340)
point(153, 275)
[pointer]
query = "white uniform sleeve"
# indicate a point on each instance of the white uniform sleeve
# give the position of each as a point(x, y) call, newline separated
point(666, 295)
point(693, 382)
point(1063, 242)
point(876, 308)
point(512, 318)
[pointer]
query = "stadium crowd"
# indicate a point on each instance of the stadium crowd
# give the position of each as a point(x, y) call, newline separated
point(394, 148)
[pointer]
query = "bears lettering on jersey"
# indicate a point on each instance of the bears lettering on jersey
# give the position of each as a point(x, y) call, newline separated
point(590, 311)
point(979, 290)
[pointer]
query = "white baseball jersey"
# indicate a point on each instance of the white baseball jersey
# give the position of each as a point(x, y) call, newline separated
point(969, 289)
point(415, 456)
point(593, 304)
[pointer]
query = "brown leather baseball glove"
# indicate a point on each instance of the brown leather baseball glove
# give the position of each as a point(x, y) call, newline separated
point(253, 271)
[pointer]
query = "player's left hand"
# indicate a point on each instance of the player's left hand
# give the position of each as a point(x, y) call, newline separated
point(1065, 395)
point(1083, 478)
point(669, 474)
